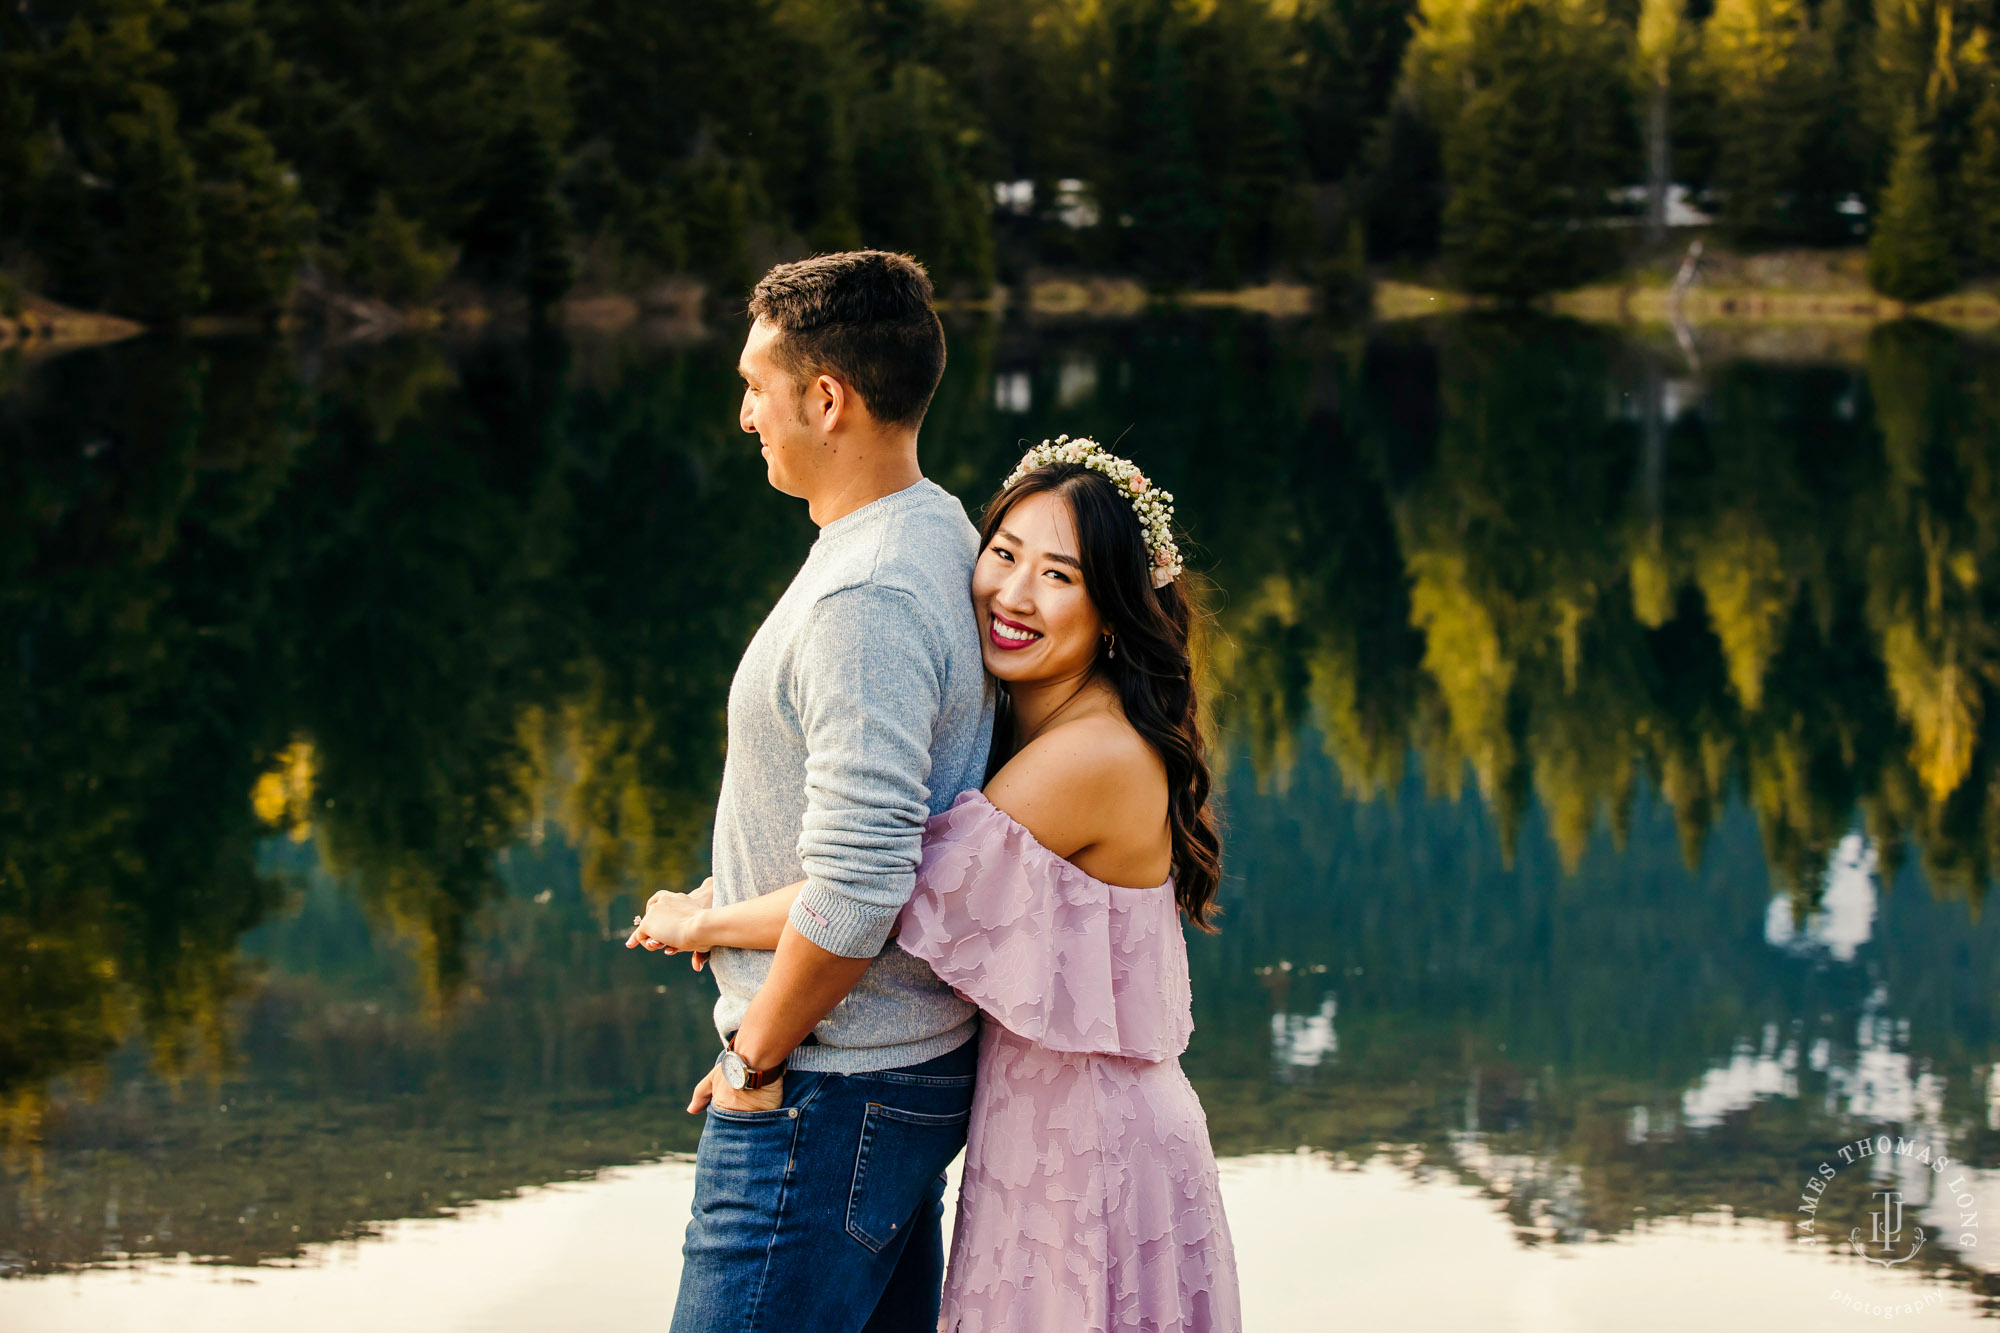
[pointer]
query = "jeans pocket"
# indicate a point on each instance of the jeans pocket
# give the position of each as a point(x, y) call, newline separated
point(773, 1115)
point(901, 1153)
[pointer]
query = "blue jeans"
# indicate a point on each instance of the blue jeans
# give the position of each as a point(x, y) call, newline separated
point(827, 1213)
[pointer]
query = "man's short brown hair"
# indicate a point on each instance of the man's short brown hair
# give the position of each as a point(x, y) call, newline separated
point(865, 317)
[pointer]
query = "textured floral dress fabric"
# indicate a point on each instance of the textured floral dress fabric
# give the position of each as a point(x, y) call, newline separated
point(1090, 1199)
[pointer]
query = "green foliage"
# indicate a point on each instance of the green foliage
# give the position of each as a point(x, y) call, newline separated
point(253, 223)
point(1190, 142)
point(715, 200)
point(1527, 150)
point(1979, 186)
point(390, 256)
point(1155, 195)
point(1342, 277)
point(159, 232)
point(1771, 68)
point(1350, 54)
point(519, 238)
point(921, 178)
point(1909, 250)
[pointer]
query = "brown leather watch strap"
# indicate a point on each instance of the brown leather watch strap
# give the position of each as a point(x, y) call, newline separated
point(754, 1079)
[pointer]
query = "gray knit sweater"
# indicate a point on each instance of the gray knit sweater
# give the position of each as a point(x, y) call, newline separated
point(860, 709)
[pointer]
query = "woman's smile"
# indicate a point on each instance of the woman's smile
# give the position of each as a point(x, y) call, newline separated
point(1008, 635)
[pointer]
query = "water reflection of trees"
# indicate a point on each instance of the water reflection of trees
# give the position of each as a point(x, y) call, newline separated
point(1505, 549)
point(409, 605)
point(435, 609)
point(1597, 1046)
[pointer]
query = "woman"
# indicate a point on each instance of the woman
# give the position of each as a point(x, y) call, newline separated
point(1053, 900)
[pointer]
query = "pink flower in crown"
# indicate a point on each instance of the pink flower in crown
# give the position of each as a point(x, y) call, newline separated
point(1162, 559)
point(1139, 483)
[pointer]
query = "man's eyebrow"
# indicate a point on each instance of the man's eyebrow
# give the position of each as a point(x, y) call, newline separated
point(1056, 556)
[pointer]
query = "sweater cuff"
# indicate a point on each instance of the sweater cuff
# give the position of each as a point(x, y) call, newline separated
point(839, 924)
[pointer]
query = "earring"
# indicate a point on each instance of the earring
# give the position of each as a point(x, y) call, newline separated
point(1111, 646)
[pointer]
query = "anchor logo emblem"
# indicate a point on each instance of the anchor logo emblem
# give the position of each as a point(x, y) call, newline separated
point(1886, 1225)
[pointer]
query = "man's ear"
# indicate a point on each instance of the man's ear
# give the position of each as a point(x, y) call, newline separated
point(835, 402)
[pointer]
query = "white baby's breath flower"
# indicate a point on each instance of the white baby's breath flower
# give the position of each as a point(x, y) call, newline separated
point(1154, 506)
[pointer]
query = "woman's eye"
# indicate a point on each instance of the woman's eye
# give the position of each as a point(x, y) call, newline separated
point(1008, 556)
point(1058, 573)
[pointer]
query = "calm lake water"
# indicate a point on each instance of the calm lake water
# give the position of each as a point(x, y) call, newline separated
point(1612, 784)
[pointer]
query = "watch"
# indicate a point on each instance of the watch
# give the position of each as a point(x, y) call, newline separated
point(741, 1076)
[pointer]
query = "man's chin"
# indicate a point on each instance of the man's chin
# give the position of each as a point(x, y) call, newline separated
point(779, 482)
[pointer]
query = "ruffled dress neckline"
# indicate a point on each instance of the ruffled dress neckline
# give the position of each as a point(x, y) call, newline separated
point(1057, 956)
point(1036, 844)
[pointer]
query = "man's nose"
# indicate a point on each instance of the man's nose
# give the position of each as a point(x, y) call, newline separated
point(743, 417)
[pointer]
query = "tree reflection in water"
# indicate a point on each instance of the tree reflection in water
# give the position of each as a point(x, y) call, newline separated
point(352, 696)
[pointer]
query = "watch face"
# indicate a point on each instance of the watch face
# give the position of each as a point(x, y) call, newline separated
point(734, 1072)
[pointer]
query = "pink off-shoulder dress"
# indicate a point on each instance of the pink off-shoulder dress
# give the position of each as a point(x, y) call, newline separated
point(1090, 1199)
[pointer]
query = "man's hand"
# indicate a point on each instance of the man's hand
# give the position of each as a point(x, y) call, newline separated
point(713, 1087)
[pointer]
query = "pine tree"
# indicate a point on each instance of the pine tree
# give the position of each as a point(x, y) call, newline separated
point(1502, 224)
point(1527, 154)
point(1349, 53)
point(519, 236)
point(1159, 207)
point(1978, 205)
point(26, 147)
point(253, 223)
point(1772, 73)
point(716, 199)
point(1257, 184)
point(1402, 188)
point(835, 203)
point(921, 189)
point(158, 229)
point(1909, 248)
point(392, 256)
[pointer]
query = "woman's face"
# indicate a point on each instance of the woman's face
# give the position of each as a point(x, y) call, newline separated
point(1036, 618)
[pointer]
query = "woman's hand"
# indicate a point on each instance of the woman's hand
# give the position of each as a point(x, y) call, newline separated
point(714, 1088)
point(672, 920)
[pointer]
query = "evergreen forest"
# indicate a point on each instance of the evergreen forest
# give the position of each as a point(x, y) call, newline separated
point(167, 159)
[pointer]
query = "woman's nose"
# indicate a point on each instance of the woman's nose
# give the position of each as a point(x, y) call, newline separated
point(1016, 591)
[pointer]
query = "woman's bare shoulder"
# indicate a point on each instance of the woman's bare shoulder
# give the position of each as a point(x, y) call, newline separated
point(1081, 782)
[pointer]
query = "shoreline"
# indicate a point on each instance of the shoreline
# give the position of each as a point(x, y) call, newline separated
point(1776, 292)
point(673, 312)
point(41, 325)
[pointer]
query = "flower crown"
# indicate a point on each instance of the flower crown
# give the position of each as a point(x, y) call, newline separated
point(1155, 507)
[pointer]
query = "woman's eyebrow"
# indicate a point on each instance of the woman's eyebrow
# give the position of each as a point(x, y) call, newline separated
point(1056, 556)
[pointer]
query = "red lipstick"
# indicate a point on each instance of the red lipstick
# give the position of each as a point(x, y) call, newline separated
point(1009, 645)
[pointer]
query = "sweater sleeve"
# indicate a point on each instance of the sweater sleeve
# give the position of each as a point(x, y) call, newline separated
point(869, 689)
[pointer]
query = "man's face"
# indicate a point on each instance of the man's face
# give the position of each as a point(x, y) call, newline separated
point(776, 412)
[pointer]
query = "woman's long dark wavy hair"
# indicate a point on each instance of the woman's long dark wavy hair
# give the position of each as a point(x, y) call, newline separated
point(1153, 672)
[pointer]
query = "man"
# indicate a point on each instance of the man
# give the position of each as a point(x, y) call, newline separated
point(859, 709)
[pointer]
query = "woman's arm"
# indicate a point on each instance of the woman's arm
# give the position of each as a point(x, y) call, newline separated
point(684, 921)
